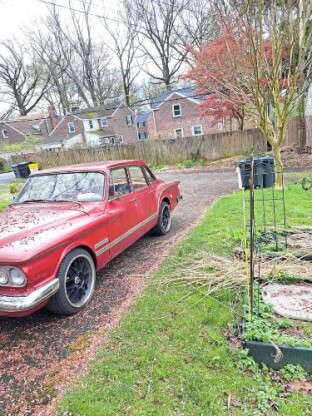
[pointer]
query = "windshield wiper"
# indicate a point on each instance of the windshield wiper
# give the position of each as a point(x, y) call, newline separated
point(66, 200)
point(32, 200)
point(47, 200)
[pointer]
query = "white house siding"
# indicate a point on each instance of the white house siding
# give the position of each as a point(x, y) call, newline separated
point(72, 141)
point(92, 139)
point(87, 127)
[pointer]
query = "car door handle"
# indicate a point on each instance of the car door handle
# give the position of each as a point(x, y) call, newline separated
point(152, 191)
point(133, 200)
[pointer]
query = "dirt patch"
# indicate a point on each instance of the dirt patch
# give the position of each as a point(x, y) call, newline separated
point(293, 301)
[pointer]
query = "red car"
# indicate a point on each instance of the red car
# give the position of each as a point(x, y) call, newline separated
point(67, 223)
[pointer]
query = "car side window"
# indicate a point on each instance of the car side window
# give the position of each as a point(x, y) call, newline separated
point(138, 180)
point(148, 174)
point(118, 182)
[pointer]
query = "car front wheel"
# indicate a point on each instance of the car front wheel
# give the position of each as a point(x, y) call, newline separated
point(164, 220)
point(77, 279)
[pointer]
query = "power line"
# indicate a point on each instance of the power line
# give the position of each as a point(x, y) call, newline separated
point(99, 5)
point(79, 11)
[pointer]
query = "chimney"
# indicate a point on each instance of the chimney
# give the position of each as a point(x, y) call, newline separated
point(52, 117)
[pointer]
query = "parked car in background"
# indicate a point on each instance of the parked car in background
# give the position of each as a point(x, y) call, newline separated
point(67, 223)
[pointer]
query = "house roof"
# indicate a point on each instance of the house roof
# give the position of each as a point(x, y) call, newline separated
point(33, 123)
point(188, 93)
point(26, 126)
point(30, 116)
point(97, 112)
point(143, 117)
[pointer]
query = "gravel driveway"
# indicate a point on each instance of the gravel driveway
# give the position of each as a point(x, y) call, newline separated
point(41, 350)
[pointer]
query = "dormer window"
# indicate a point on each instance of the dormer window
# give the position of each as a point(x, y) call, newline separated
point(129, 120)
point(104, 122)
point(71, 127)
point(176, 110)
point(5, 134)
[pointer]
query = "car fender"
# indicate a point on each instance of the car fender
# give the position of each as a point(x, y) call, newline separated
point(169, 191)
point(90, 245)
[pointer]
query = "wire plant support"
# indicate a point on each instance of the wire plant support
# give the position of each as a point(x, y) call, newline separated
point(264, 214)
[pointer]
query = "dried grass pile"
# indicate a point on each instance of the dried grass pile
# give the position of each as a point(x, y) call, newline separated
point(219, 273)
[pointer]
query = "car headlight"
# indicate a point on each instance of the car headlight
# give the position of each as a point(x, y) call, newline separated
point(12, 276)
point(4, 277)
point(17, 277)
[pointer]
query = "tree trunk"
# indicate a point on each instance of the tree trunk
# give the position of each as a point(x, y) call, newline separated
point(279, 182)
point(241, 123)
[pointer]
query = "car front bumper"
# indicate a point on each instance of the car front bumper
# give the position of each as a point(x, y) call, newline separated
point(23, 303)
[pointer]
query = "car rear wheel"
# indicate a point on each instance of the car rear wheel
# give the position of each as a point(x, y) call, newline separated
point(77, 279)
point(164, 220)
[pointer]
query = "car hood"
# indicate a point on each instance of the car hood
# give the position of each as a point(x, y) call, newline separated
point(25, 229)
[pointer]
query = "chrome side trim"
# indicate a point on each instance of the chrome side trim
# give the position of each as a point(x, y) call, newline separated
point(98, 253)
point(101, 243)
point(22, 303)
point(125, 235)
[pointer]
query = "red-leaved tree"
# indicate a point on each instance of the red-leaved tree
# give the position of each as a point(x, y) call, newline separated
point(219, 67)
point(260, 62)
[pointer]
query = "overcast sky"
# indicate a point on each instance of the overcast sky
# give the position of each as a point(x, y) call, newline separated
point(16, 13)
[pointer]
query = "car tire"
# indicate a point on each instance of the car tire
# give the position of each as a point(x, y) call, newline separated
point(77, 280)
point(164, 220)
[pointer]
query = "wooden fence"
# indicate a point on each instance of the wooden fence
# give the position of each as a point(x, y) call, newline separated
point(208, 148)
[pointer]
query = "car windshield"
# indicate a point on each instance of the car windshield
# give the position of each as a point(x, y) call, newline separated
point(73, 186)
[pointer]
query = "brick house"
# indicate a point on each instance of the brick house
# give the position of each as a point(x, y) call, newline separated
point(178, 114)
point(142, 123)
point(37, 125)
point(114, 124)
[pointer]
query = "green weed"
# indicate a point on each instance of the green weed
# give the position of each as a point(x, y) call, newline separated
point(188, 163)
point(293, 372)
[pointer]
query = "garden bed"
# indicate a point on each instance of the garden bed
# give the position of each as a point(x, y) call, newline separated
point(278, 356)
point(278, 339)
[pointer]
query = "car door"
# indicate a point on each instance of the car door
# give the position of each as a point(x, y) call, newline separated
point(144, 194)
point(121, 207)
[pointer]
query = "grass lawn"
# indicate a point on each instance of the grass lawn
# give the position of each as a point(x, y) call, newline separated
point(5, 196)
point(171, 355)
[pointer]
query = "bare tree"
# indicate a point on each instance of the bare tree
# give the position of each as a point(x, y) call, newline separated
point(24, 80)
point(198, 23)
point(87, 61)
point(46, 46)
point(157, 22)
point(124, 43)
point(148, 92)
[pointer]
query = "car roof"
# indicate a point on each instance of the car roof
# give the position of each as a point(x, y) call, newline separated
point(93, 166)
